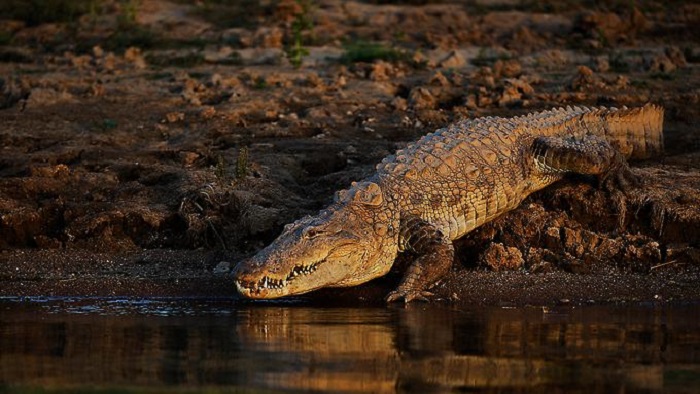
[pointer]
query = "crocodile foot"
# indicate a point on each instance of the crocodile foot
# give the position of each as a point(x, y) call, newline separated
point(408, 295)
point(620, 185)
point(621, 179)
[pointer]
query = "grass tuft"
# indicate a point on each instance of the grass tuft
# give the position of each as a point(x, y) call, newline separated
point(303, 22)
point(367, 52)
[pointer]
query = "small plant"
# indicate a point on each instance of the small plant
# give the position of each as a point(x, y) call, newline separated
point(259, 83)
point(303, 22)
point(104, 125)
point(109, 124)
point(363, 51)
point(242, 163)
point(602, 38)
point(220, 169)
point(127, 18)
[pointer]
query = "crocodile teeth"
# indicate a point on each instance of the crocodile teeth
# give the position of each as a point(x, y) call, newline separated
point(302, 270)
point(250, 286)
point(266, 283)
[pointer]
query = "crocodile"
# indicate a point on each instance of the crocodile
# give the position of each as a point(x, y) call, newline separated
point(440, 188)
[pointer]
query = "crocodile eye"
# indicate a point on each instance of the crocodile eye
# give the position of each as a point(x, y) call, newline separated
point(312, 232)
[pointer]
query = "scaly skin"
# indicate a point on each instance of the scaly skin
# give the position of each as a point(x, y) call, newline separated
point(439, 189)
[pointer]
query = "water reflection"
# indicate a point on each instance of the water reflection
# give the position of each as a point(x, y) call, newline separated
point(160, 344)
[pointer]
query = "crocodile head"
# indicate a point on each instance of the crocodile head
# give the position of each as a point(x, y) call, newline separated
point(348, 243)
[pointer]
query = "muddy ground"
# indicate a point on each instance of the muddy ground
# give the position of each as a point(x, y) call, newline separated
point(149, 145)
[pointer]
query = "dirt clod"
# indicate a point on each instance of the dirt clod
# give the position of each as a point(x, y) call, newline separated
point(499, 258)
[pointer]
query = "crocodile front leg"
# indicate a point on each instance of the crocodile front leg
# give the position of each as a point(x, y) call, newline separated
point(435, 255)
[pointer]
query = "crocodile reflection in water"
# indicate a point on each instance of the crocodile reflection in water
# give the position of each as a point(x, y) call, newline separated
point(371, 350)
point(510, 348)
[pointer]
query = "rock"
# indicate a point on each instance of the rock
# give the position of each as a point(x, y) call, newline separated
point(573, 241)
point(607, 26)
point(510, 68)
point(608, 249)
point(12, 91)
point(601, 64)
point(513, 92)
point(218, 54)
point(660, 64)
point(172, 117)
point(222, 268)
point(483, 98)
point(471, 102)
point(682, 252)
point(509, 96)
point(641, 252)
point(452, 60)
point(639, 21)
point(97, 89)
point(621, 82)
point(552, 239)
point(419, 58)
point(188, 158)
point(610, 27)
point(399, 103)
point(47, 96)
point(421, 98)
point(439, 79)
point(484, 77)
point(501, 258)
point(80, 62)
point(525, 40)
point(676, 56)
point(585, 78)
point(133, 55)
point(381, 71)
point(552, 59)
point(269, 37)
point(45, 242)
point(60, 171)
point(207, 112)
point(537, 262)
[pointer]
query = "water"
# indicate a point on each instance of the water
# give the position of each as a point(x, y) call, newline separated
point(165, 345)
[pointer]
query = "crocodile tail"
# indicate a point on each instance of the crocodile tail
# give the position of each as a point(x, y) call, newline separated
point(636, 132)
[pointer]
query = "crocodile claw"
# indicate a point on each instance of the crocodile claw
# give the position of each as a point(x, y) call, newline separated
point(623, 180)
point(621, 185)
point(408, 295)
